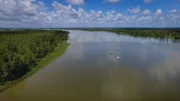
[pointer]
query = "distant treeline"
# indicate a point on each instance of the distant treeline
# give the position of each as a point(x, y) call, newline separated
point(20, 50)
point(169, 33)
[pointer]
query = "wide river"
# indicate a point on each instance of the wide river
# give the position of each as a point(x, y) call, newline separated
point(147, 70)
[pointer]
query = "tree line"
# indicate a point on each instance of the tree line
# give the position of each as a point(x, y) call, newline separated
point(20, 50)
point(162, 34)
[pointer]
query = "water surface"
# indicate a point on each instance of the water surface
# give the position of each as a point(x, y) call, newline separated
point(148, 70)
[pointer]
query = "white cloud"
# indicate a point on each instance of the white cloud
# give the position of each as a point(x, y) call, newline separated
point(148, 1)
point(113, 1)
point(75, 2)
point(158, 12)
point(173, 11)
point(146, 12)
point(17, 10)
point(28, 13)
point(135, 10)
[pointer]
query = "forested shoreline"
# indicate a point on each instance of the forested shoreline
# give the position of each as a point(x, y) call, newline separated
point(21, 50)
point(169, 33)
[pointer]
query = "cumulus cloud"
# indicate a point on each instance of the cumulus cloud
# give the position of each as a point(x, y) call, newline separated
point(135, 10)
point(148, 1)
point(159, 12)
point(146, 12)
point(30, 13)
point(17, 10)
point(173, 11)
point(75, 2)
point(113, 1)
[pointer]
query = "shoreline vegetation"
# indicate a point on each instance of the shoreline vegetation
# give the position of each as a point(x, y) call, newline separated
point(24, 52)
point(157, 33)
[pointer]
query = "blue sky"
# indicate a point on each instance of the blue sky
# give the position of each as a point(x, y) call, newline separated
point(90, 13)
point(123, 5)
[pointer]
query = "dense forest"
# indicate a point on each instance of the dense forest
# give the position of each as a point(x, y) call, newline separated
point(20, 50)
point(171, 34)
point(168, 33)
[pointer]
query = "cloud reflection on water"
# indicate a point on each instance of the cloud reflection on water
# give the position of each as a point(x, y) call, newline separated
point(85, 36)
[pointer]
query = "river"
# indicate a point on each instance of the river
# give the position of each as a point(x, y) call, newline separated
point(147, 70)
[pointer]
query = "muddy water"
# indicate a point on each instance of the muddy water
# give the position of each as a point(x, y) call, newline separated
point(147, 70)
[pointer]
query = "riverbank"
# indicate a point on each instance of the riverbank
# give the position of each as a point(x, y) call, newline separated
point(59, 50)
point(161, 33)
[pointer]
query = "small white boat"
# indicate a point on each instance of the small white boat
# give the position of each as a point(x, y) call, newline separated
point(110, 52)
point(117, 57)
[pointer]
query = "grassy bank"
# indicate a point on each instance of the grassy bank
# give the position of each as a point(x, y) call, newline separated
point(58, 51)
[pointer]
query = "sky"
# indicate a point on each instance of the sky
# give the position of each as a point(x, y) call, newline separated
point(89, 13)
